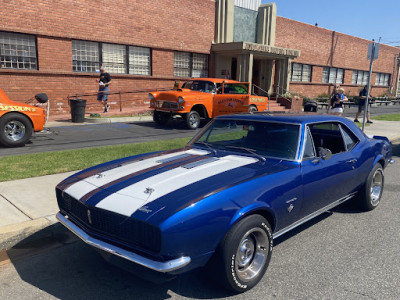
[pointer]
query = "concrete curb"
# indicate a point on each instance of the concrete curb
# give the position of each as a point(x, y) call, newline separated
point(118, 120)
point(11, 235)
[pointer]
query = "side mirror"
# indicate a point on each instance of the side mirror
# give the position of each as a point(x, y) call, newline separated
point(324, 153)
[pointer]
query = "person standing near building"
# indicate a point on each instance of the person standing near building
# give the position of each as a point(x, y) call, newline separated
point(361, 104)
point(337, 101)
point(104, 82)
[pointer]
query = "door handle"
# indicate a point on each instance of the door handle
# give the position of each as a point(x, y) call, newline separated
point(352, 161)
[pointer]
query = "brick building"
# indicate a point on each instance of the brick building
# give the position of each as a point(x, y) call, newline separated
point(57, 46)
point(328, 56)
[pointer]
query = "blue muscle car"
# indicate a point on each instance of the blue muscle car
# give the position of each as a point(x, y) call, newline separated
point(220, 201)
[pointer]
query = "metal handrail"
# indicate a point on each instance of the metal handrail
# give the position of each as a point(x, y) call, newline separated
point(69, 97)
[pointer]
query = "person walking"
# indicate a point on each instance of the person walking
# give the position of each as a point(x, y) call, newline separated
point(361, 104)
point(104, 82)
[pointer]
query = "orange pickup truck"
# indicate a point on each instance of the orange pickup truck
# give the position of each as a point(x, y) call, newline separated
point(203, 98)
point(19, 120)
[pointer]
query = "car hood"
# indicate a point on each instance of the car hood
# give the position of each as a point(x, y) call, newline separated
point(171, 180)
point(173, 95)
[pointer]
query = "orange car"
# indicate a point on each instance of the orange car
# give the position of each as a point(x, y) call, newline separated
point(203, 98)
point(19, 120)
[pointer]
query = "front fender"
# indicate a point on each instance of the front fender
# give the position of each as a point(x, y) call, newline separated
point(260, 208)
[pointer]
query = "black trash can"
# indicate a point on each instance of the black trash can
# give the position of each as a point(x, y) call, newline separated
point(310, 106)
point(77, 110)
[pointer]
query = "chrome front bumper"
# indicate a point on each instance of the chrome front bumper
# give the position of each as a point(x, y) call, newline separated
point(163, 267)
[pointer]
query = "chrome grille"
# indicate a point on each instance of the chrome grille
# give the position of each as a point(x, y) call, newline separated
point(127, 230)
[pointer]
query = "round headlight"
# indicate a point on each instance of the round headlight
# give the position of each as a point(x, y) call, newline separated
point(151, 97)
point(180, 100)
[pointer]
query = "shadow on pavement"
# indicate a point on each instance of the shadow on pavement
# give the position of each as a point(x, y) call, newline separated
point(65, 267)
point(171, 125)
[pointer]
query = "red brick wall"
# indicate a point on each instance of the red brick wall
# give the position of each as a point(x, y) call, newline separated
point(321, 47)
point(186, 25)
point(164, 26)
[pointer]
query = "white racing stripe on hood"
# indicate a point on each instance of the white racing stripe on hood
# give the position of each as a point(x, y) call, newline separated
point(167, 182)
point(85, 186)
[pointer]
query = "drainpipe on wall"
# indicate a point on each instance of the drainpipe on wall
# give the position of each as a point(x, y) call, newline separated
point(331, 57)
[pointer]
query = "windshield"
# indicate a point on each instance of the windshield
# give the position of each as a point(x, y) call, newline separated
point(199, 85)
point(277, 140)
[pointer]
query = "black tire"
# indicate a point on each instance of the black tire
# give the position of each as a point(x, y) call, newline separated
point(371, 193)
point(193, 120)
point(15, 130)
point(160, 118)
point(244, 254)
point(252, 108)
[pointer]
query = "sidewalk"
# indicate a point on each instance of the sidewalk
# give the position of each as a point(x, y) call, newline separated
point(29, 205)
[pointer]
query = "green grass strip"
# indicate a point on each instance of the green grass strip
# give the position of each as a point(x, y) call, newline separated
point(46, 163)
point(388, 117)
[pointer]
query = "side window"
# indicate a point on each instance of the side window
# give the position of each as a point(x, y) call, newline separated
point(309, 151)
point(350, 140)
point(329, 136)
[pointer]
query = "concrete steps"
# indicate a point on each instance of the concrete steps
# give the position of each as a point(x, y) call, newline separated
point(275, 106)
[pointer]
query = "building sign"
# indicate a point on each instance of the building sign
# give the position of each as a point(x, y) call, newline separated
point(271, 49)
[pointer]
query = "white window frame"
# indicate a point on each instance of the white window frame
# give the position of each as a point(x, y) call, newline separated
point(382, 79)
point(18, 51)
point(115, 58)
point(139, 60)
point(187, 64)
point(85, 56)
point(299, 73)
point(360, 77)
point(332, 75)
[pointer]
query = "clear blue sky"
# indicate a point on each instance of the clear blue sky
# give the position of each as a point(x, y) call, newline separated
point(368, 19)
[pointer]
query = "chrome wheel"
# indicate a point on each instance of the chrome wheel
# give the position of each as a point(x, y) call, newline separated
point(14, 130)
point(376, 187)
point(252, 254)
point(193, 120)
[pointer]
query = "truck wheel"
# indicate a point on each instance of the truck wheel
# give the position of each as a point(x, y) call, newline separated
point(370, 195)
point(244, 254)
point(193, 119)
point(252, 108)
point(15, 130)
point(160, 118)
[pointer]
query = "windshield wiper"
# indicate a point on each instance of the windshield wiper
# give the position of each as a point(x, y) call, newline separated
point(208, 146)
point(252, 151)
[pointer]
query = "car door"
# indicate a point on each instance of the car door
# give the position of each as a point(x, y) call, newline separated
point(328, 180)
point(232, 99)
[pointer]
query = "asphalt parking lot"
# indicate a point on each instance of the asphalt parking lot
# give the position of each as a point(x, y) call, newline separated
point(93, 135)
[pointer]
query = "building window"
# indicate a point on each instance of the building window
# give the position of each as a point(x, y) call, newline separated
point(190, 64)
point(89, 56)
point(85, 56)
point(139, 61)
point(332, 75)
point(301, 73)
point(360, 77)
point(382, 79)
point(114, 58)
point(17, 51)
